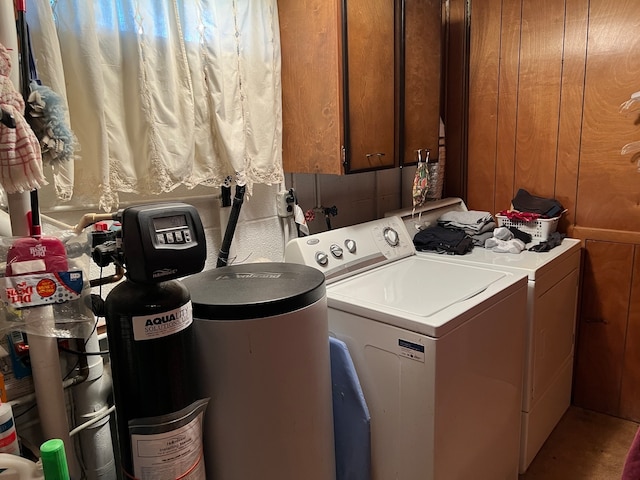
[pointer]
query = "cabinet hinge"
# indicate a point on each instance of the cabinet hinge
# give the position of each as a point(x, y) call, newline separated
point(344, 156)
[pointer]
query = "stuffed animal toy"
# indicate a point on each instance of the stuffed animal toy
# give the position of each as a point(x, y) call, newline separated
point(47, 116)
point(20, 155)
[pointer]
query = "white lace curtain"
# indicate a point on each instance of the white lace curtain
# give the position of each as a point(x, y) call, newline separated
point(163, 93)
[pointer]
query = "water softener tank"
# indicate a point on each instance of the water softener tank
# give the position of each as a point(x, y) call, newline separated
point(158, 412)
point(263, 350)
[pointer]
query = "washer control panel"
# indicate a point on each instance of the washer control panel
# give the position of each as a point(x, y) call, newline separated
point(349, 250)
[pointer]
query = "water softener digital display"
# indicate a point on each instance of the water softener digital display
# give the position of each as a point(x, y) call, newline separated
point(161, 241)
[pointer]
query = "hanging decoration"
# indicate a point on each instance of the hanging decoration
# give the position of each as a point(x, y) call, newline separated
point(20, 155)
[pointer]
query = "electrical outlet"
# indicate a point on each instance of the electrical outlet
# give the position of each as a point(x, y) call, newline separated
point(285, 200)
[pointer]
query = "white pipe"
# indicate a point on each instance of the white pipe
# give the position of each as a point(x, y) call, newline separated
point(47, 381)
point(92, 415)
point(19, 212)
point(9, 38)
point(5, 224)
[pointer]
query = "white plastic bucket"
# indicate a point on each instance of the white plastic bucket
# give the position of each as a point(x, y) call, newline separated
point(18, 468)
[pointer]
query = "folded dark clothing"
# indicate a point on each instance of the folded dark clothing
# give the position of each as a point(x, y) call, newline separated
point(520, 235)
point(525, 202)
point(553, 241)
point(443, 240)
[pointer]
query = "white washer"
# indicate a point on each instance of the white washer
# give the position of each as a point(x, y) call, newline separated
point(438, 349)
point(552, 296)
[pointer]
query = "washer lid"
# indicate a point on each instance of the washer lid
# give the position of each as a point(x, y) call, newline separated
point(421, 291)
point(254, 290)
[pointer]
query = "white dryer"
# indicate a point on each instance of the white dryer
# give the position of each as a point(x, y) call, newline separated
point(552, 296)
point(438, 348)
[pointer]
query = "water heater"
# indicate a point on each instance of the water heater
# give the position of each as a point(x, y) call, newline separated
point(262, 344)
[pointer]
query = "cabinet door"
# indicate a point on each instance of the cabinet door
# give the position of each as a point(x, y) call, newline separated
point(311, 46)
point(630, 385)
point(370, 73)
point(606, 280)
point(421, 52)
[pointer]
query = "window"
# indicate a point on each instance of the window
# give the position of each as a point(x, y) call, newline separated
point(163, 94)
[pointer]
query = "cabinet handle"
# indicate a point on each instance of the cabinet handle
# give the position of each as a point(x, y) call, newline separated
point(602, 320)
point(379, 155)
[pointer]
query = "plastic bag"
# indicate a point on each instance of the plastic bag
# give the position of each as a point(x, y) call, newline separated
point(45, 286)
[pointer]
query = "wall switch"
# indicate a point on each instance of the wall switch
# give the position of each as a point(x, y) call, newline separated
point(285, 201)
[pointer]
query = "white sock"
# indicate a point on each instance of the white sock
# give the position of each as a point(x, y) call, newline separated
point(503, 233)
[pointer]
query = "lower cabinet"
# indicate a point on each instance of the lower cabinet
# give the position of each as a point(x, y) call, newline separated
point(607, 369)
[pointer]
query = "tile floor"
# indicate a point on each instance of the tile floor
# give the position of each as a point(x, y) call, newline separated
point(585, 445)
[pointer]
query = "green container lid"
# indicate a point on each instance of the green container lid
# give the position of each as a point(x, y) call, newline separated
point(54, 460)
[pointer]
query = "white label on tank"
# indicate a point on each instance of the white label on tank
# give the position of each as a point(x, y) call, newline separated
point(411, 350)
point(162, 324)
point(170, 455)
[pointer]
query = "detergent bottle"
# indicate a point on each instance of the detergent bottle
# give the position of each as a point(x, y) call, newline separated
point(8, 435)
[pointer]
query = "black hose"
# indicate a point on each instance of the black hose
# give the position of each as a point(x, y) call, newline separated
point(226, 196)
point(223, 256)
point(25, 82)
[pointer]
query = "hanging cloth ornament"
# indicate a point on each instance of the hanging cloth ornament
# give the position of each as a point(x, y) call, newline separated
point(47, 115)
point(20, 157)
point(421, 180)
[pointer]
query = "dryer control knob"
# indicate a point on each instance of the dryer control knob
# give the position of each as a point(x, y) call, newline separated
point(322, 258)
point(391, 236)
point(351, 245)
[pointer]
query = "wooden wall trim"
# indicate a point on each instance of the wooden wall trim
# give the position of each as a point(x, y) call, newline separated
point(455, 103)
point(603, 234)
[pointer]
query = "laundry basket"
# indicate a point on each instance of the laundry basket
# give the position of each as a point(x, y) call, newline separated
point(539, 229)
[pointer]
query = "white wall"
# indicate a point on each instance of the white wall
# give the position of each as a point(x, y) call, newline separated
point(260, 234)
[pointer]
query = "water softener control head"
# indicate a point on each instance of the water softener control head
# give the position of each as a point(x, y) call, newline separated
point(161, 241)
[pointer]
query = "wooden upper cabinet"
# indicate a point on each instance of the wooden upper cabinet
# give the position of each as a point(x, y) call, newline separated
point(370, 70)
point(311, 46)
point(346, 104)
point(422, 55)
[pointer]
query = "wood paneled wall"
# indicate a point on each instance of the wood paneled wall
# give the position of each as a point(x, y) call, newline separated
point(546, 82)
point(547, 79)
